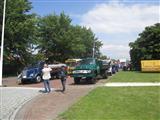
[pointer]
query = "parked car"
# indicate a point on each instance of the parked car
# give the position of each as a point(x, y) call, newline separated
point(113, 69)
point(32, 73)
point(56, 69)
point(110, 71)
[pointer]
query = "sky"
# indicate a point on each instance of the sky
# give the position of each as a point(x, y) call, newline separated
point(114, 22)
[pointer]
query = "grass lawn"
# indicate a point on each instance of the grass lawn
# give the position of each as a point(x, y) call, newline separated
point(128, 103)
point(128, 76)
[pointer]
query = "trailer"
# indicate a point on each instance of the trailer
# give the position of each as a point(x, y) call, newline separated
point(150, 65)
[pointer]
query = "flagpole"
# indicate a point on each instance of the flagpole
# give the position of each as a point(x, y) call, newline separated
point(2, 42)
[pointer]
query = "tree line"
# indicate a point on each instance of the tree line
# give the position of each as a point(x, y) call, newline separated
point(146, 47)
point(30, 37)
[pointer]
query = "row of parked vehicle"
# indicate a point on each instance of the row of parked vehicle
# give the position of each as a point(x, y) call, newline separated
point(88, 69)
point(92, 69)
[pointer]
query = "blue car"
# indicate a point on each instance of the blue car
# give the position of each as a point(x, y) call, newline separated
point(113, 69)
point(31, 73)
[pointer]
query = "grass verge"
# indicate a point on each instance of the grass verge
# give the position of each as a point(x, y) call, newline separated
point(129, 103)
point(132, 76)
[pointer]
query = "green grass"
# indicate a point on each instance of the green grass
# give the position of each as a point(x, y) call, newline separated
point(128, 103)
point(128, 76)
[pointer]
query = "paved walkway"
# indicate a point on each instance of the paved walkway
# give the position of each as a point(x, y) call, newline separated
point(126, 84)
point(49, 106)
point(13, 98)
point(26, 102)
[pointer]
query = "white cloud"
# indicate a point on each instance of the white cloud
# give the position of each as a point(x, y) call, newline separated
point(116, 51)
point(115, 47)
point(112, 18)
point(118, 24)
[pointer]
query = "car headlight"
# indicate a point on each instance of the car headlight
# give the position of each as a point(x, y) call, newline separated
point(24, 76)
point(86, 71)
point(75, 71)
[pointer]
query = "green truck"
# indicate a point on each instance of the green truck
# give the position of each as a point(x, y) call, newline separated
point(89, 70)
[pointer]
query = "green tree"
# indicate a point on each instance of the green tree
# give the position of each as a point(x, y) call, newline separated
point(60, 40)
point(19, 33)
point(83, 41)
point(147, 46)
point(53, 36)
point(103, 57)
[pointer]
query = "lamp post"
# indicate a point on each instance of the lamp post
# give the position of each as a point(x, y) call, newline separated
point(2, 42)
point(93, 54)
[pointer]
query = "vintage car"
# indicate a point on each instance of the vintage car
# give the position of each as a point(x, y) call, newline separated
point(33, 73)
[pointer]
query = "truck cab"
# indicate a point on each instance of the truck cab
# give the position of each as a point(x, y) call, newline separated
point(88, 69)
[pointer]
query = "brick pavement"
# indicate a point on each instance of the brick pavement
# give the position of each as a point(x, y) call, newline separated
point(18, 102)
point(13, 98)
point(49, 106)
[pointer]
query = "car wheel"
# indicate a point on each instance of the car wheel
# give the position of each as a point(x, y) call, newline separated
point(38, 79)
point(92, 80)
point(77, 80)
point(105, 76)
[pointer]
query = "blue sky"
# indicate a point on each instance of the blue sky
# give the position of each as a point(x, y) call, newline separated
point(114, 22)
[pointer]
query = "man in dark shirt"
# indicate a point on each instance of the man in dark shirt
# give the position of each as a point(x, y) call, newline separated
point(63, 76)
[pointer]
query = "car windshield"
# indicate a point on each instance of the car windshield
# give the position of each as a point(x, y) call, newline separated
point(105, 63)
point(87, 61)
point(35, 65)
point(32, 66)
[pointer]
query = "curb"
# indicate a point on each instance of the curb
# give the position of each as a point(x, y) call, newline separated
point(13, 115)
point(130, 84)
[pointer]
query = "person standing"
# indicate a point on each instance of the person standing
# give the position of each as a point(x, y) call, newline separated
point(46, 76)
point(63, 76)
